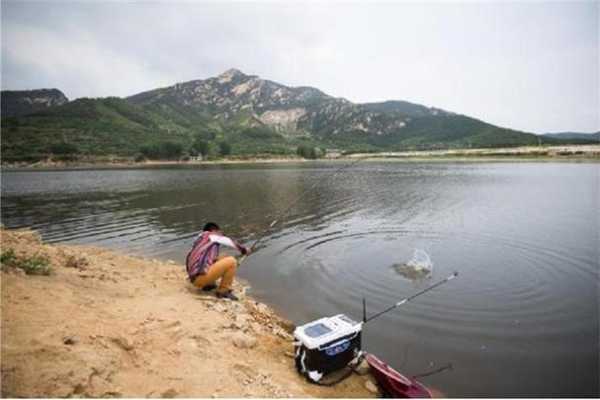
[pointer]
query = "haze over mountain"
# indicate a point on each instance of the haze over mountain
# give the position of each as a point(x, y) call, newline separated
point(242, 114)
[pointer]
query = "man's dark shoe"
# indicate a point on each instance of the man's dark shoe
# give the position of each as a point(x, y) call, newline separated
point(209, 287)
point(227, 295)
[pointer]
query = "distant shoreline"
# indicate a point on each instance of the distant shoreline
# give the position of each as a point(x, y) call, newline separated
point(568, 153)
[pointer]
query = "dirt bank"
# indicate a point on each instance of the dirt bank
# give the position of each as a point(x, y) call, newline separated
point(118, 163)
point(103, 324)
point(590, 152)
point(551, 153)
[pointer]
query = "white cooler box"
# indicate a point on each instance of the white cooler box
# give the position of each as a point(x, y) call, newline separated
point(326, 345)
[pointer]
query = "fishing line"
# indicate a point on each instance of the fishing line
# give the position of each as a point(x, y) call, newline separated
point(304, 193)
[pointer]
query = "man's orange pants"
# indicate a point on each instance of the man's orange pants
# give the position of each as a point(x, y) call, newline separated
point(223, 268)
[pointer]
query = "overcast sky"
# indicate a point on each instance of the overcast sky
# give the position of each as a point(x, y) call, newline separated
point(532, 66)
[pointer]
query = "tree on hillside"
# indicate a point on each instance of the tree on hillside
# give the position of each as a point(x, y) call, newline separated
point(64, 151)
point(171, 150)
point(63, 148)
point(204, 133)
point(306, 151)
point(201, 146)
point(224, 148)
point(162, 151)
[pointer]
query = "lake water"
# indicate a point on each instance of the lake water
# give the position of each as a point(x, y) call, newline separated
point(520, 320)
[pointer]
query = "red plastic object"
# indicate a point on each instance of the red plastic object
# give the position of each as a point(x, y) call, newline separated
point(393, 383)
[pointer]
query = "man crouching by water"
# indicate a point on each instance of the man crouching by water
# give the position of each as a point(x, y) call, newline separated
point(204, 266)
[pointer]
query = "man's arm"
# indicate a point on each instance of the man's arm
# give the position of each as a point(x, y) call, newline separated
point(225, 241)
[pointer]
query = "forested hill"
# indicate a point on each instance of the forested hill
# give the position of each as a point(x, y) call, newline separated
point(22, 102)
point(235, 113)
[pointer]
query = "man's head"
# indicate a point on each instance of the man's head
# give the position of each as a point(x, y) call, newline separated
point(211, 226)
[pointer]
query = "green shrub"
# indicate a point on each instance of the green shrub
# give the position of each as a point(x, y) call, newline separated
point(8, 257)
point(34, 265)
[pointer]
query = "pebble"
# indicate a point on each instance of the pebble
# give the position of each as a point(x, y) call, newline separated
point(256, 327)
point(240, 322)
point(362, 368)
point(287, 326)
point(371, 387)
point(282, 334)
point(70, 340)
point(243, 341)
point(169, 394)
point(262, 308)
point(123, 342)
point(236, 306)
point(220, 307)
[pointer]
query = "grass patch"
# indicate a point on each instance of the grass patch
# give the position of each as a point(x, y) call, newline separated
point(34, 265)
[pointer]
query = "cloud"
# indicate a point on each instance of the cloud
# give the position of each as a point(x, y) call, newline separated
point(78, 63)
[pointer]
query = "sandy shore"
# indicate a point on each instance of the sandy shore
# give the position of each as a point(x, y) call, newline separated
point(119, 164)
point(524, 153)
point(553, 153)
point(104, 324)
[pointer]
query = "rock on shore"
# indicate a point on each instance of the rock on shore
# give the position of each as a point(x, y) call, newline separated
point(103, 324)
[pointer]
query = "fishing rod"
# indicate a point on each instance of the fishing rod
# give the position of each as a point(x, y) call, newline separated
point(298, 199)
point(405, 300)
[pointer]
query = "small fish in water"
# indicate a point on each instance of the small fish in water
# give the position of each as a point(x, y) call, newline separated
point(419, 267)
point(412, 272)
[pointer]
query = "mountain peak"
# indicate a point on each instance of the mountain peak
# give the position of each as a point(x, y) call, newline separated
point(230, 74)
point(23, 102)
